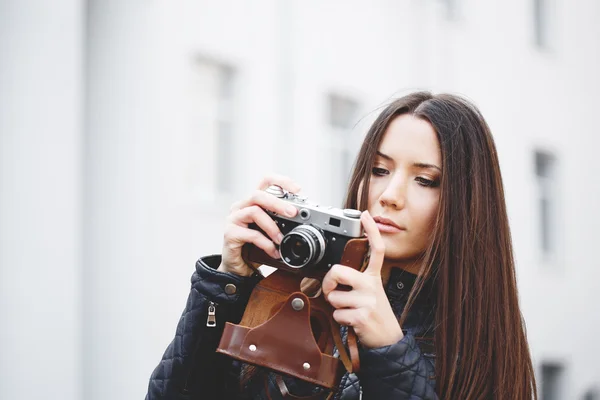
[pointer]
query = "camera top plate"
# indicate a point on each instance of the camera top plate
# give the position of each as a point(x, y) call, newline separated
point(344, 222)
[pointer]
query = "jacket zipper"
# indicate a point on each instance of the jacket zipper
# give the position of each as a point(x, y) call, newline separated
point(211, 321)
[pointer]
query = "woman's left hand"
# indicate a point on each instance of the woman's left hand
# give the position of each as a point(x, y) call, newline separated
point(365, 307)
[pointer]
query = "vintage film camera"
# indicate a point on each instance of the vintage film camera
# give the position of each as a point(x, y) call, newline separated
point(287, 327)
point(313, 240)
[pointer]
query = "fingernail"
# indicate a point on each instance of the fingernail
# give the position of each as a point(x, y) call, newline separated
point(279, 238)
point(276, 255)
point(290, 211)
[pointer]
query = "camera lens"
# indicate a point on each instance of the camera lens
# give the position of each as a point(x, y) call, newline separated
point(302, 246)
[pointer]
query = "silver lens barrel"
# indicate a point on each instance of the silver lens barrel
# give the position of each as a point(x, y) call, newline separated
point(308, 237)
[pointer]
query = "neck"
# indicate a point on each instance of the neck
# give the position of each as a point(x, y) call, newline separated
point(411, 266)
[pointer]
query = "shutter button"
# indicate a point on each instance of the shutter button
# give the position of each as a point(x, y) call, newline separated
point(230, 288)
point(400, 285)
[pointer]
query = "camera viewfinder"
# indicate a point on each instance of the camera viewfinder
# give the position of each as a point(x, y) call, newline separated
point(334, 222)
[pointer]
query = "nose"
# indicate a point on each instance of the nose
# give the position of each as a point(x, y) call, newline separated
point(394, 194)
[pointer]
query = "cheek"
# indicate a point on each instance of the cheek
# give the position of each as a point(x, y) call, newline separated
point(427, 211)
point(373, 194)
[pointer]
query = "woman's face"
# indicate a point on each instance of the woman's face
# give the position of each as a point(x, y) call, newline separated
point(405, 186)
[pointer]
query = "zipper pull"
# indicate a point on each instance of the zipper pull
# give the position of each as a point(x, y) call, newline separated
point(211, 322)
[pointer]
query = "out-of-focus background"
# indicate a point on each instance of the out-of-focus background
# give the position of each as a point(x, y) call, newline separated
point(129, 127)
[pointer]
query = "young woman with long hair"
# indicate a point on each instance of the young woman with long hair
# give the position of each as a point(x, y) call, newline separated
point(436, 311)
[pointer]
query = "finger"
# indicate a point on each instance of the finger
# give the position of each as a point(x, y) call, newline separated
point(269, 202)
point(352, 299)
point(255, 214)
point(376, 244)
point(282, 181)
point(349, 317)
point(235, 207)
point(340, 275)
point(236, 236)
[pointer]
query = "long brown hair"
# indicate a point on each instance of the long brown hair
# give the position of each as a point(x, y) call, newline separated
point(480, 338)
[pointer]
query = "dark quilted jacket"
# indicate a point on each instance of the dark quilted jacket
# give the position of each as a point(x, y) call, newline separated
point(191, 369)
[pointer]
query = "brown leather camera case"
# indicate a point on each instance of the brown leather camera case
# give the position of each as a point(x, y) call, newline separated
point(287, 331)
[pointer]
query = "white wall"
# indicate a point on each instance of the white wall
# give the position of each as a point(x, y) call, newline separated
point(123, 196)
point(40, 199)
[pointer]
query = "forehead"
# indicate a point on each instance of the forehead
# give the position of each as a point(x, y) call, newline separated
point(412, 139)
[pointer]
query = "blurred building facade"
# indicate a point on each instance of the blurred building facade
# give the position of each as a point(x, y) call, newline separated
point(129, 127)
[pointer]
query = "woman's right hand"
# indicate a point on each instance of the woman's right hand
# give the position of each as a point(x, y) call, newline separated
point(252, 210)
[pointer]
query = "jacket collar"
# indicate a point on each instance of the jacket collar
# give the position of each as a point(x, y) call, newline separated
point(401, 283)
point(420, 318)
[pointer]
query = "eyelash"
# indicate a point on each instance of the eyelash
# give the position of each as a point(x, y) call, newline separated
point(422, 181)
point(379, 171)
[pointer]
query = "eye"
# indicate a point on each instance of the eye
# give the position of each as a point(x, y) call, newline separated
point(427, 182)
point(380, 171)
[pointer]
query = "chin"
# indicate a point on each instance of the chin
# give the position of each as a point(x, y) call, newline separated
point(399, 256)
point(399, 251)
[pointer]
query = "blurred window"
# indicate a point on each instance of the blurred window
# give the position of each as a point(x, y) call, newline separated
point(212, 132)
point(341, 150)
point(450, 8)
point(225, 130)
point(545, 171)
point(540, 23)
point(342, 112)
point(552, 381)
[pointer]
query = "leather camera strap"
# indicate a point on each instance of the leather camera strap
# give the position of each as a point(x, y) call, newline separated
point(351, 334)
point(351, 362)
point(337, 339)
point(353, 348)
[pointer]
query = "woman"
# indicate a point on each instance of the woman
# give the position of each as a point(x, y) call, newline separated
point(436, 311)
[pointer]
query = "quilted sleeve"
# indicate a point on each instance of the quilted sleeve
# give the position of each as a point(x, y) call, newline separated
point(190, 368)
point(398, 371)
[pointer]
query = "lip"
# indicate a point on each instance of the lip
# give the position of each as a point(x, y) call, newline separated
point(387, 225)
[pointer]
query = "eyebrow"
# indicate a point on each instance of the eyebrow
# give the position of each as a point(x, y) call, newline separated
point(418, 165)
